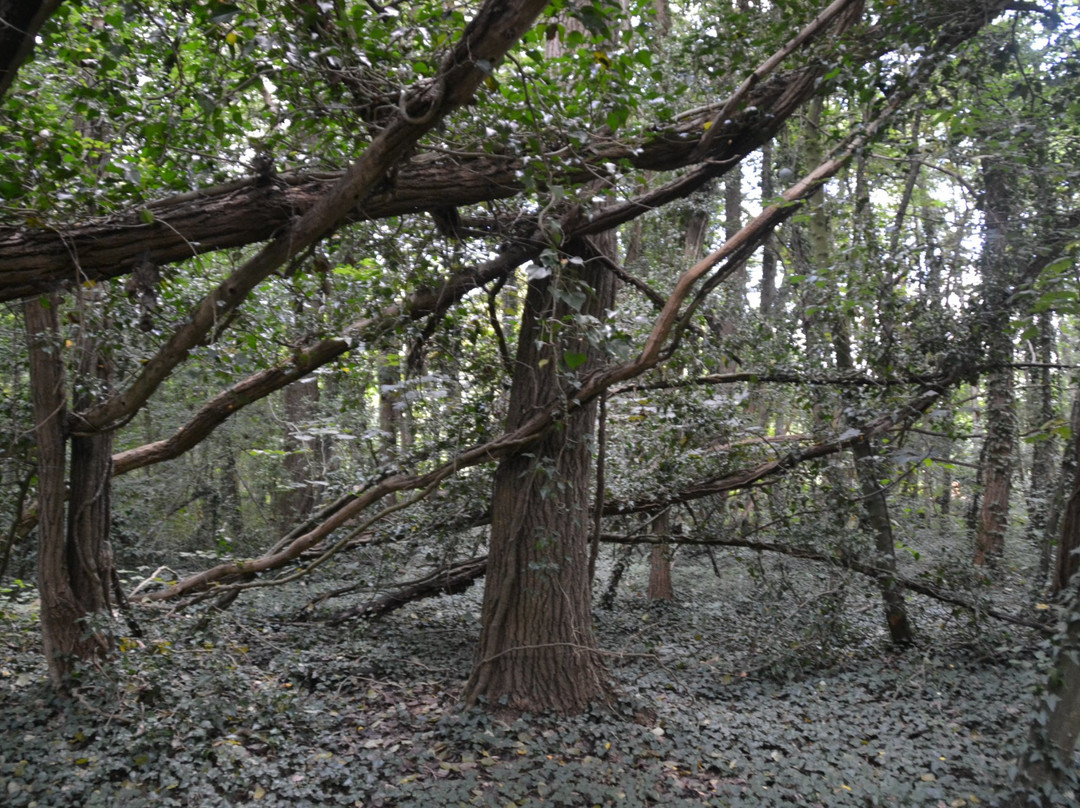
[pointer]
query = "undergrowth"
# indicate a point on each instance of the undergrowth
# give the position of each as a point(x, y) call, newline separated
point(790, 699)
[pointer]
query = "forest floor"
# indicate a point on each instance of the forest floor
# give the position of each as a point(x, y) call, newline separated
point(771, 685)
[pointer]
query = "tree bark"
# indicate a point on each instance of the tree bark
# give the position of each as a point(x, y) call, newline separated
point(876, 507)
point(1044, 452)
point(660, 560)
point(537, 650)
point(74, 561)
point(19, 25)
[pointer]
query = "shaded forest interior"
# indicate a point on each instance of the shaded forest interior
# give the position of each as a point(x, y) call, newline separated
point(614, 402)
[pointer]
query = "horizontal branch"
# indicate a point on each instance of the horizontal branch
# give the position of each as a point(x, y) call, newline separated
point(262, 383)
point(593, 386)
point(747, 478)
point(853, 564)
point(778, 377)
point(36, 258)
point(457, 577)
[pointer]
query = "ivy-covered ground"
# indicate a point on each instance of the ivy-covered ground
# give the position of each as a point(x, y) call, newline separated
point(773, 686)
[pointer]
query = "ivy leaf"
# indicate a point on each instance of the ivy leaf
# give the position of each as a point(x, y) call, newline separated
point(574, 360)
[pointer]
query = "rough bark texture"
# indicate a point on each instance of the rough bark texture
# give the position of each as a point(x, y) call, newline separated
point(74, 564)
point(246, 211)
point(537, 650)
point(1044, 452)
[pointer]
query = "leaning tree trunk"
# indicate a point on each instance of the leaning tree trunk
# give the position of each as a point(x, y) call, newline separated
point(75, 568)
point(537, 650)
point(876, 508)
point(868, 465)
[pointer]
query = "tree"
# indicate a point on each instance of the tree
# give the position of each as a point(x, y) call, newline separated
point(569, 352)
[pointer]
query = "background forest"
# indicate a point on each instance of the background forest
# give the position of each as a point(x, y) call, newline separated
point(519, 403)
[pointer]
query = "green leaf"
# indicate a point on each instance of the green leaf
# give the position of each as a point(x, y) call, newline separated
point(574, 360)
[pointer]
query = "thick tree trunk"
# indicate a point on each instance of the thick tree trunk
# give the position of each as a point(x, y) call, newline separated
point(537, 650)
point(74, 561)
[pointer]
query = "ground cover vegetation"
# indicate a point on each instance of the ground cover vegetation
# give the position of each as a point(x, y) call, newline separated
point(500, 403)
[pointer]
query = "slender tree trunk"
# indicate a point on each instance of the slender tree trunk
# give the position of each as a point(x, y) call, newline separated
point(537, 650)
point(229, 495)
point(875, 504)
point(660, 587)
point(876, 507)
point(74, 561)
point(768, 250)
point(697, 228)
point(297, 501)
point(993, 515)
point(1068, 542)
point(1044, 452)
point(622, 561)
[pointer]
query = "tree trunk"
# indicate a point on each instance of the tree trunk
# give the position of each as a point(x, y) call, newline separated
point(74, 560)
point(1064, 498)
point(876, 507)
point(660, 560)
point(297, 501)
point(993, 515)
point(537, 650)
point(997, 469)
point(768, 251)
point(622, 561)
point(1044, 452)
